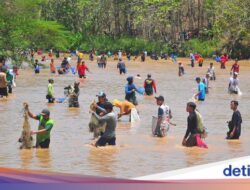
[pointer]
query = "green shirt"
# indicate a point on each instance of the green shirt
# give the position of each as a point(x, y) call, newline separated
point(50, 89)
point(44, 124)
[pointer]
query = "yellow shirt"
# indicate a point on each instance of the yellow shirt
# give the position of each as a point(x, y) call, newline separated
point(80, 55)
point(124, 106)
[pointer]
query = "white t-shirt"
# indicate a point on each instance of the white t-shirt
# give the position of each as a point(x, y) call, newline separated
point(234, 83)
point(164, 112)
point(120, 54)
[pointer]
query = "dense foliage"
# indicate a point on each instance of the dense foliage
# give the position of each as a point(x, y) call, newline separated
point(204, 26)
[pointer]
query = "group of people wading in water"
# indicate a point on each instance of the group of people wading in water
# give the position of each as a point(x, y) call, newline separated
point(104, 120)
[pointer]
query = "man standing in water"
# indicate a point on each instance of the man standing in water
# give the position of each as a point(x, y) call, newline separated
point(189, 139)
point(201, 90)
point(235, 67)
point(233, 86)
point(50, 92)
point(121, 66)
point(235, 124)
point(109, 136)
point(149, 84)
point(44, 128)
point(100, 105)
point(130, 90)
point(164, 116)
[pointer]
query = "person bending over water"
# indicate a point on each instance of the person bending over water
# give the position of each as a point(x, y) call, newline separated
point(235, 124)
point(44, 128)
point(125, 108)
point(109, 136)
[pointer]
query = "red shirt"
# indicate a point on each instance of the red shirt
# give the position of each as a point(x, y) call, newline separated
point(235, 68)
point(82, 69)
point(224, 59)
point(197, 56)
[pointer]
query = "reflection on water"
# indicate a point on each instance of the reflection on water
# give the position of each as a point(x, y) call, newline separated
point(43, 157)
point(26, 158)
point(103, 159)
point(194, 155)
point(137, 153)
point(235, 146)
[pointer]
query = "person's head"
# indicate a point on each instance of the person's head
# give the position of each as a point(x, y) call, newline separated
point(236, 61)
point(108, 107)
point(234, 104)
point(130, 80)
point(180, 63)
point(149, 76)
point(83, 62)
point(36, 61)
point(207, 75)
point(211, 65)
point(235, 75)
point(45, 113)
point(101, 97)
point(51, 81)
point(198, 79)
point(76, 85)
point(191, 106)
point(159, 100)
point(120, 59)
point(65, 58)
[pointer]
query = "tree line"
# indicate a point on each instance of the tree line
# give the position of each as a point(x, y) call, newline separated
point(207, 26)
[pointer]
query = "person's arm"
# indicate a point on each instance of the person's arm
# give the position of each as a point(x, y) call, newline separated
point(47, 128)
point(144, 85)
point(184, 141)
point(236, 121)
point(199, 91)
point(170, 114)
point(100, 118)
point(124, 113)
point(229, 83)
point(101, 109)
point(154, 86)
point(33, 116)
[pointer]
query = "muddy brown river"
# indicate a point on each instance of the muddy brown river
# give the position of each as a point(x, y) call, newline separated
point(137, 153)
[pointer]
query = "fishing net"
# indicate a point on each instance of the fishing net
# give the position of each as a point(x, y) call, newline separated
point(26, 138)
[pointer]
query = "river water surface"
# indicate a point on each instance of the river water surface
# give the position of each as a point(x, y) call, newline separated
point(137, 153)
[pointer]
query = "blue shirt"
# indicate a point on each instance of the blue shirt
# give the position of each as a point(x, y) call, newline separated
point(202, 90)
point(129, 88)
